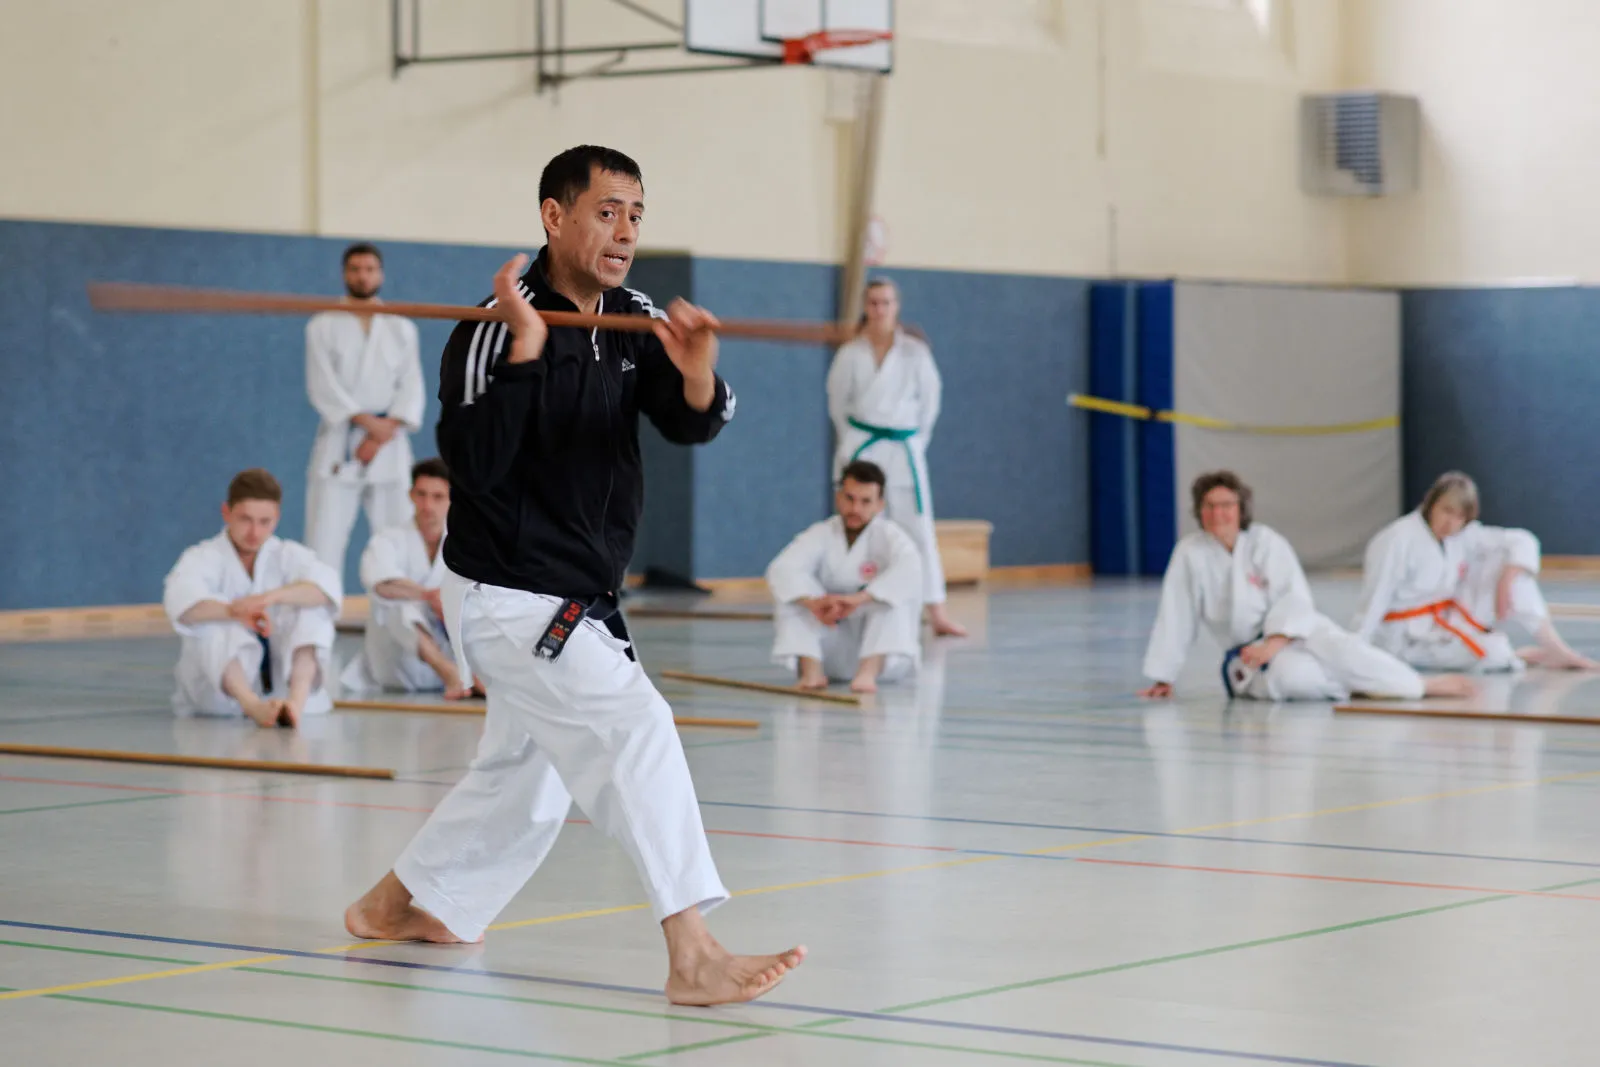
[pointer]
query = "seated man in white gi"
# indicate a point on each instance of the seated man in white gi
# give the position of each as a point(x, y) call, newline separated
point(256, 615)
point(849, 592)
point(402, 569)
point(1439, 587)
point(1243, 582)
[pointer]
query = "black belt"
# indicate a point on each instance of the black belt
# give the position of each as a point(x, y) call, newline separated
point(569, 615)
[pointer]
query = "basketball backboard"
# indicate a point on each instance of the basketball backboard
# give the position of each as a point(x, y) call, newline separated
point(757, 29)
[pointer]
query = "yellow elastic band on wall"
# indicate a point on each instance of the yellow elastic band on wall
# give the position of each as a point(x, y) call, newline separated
point(1136, 411)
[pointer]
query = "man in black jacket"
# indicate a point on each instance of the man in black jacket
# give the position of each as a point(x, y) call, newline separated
point(540, 429)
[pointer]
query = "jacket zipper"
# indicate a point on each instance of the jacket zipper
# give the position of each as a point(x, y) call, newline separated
point(611, 468)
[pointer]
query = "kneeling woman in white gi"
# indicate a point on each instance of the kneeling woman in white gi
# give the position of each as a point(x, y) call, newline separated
point(256, 615)
point(1438, 585)
point(849, 592)
point(1243, 581)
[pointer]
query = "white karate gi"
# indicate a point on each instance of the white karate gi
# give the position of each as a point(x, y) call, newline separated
point(1259, 590)
point(885, 562)
point(351, 371)
point(388, 658)
point(1406, 568)
point(901, 396)
point(211, 570)
point(589, 726)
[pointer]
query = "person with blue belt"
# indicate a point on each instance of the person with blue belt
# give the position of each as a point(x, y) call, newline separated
point(883, 399)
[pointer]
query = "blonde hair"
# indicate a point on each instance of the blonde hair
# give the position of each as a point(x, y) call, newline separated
point(1452, 487)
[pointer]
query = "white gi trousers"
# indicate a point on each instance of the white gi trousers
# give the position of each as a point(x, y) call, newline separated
point(900, 504)
point(331, 507)
point(874, 629)
point(1441, 650)
point(588, 727)
point(1331, 664)
point(389, 659)
point(204, 657)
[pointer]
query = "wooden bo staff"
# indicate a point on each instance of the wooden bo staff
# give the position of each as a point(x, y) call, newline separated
point(178, 760)
point(128, 296)
point(465, 708)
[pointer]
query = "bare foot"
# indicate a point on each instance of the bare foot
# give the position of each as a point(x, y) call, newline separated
point(289, 713)
point(1450, 685)
point(811, 676)
point(864, 684)
point(454, 690)
point(1556, 659)
point(387, 914)
point(722, 978)
point(943, 624)
point(264, 712)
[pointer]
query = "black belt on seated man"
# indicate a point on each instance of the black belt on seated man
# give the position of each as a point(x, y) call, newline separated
point(571, 612)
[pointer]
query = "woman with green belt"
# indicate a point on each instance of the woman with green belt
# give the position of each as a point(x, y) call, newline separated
point(883, 398)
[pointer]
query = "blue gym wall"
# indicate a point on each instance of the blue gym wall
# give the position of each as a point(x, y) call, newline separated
point(1502, 383)
point(119, 432)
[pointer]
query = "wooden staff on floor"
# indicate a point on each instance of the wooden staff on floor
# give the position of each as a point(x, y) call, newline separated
point(127, 296)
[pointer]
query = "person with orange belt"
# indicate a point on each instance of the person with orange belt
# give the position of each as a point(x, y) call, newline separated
point(1439, 587)
point(1240, 581)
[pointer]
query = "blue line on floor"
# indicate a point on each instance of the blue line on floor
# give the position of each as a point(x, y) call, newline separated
point(807, 1009)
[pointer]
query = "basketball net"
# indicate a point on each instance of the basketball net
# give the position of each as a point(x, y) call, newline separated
point(805, 49)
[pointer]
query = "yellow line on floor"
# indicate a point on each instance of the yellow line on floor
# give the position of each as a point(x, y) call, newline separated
point(594, 913)
point(101, 983)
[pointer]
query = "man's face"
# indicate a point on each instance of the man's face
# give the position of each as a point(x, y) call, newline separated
point(363, 276)
point(858, 503)
point(250, 523)
point(595, 238)
point(430, 497)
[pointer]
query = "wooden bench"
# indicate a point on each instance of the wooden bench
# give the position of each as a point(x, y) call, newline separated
point(964, 549)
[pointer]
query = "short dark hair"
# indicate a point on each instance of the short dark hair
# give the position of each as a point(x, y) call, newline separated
point(1225, 480)
point(254, 484)
point(429, 468)
point(864, 472)
point(566, 177)
point(361, 248)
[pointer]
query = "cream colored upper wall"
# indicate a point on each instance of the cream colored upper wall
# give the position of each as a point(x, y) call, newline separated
point(1510, 144)
point(1080, 137)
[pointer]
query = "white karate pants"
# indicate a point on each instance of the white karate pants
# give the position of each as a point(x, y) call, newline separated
point(331, 507)
point(205, 654)
point(588, 727)
point(873, 629)
point(1333, 664)
point(388, 658)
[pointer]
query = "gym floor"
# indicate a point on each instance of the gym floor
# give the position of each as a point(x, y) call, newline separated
point(1014, 860)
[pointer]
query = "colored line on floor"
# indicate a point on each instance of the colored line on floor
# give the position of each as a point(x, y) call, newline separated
point(813, 1029)
point(1132, 833)
point(1218, 950)
point(343, 1031)
point(842, 879)
point(748, 1029)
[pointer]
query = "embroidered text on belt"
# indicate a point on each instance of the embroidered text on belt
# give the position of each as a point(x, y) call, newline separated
point(1437, 611)
point(884, 433)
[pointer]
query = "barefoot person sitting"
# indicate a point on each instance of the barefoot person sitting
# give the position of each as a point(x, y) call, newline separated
point(255, 613)
point(848, 592)
point(406, 646)
point(1439, 588)
point(1242, 581)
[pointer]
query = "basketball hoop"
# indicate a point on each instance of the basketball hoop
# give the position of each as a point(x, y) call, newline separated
point(805, 49)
